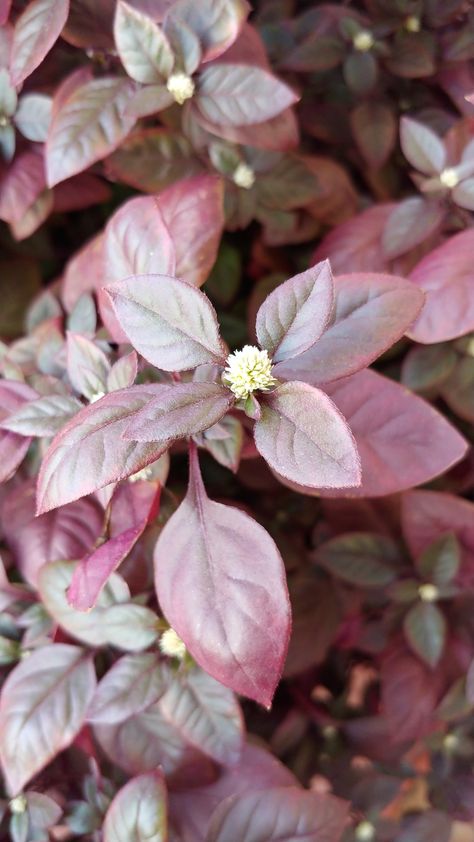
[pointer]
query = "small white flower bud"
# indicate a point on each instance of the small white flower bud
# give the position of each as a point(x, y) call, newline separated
point(449, 178)
point(363, 41)
point(365, 832)
point(450, 743)
point(18, 804)
point(181, 87)
point(145, 473)
point(244, 176)
point(171, 645)
point(412, 23)
point(247, 371)
point(428, 592)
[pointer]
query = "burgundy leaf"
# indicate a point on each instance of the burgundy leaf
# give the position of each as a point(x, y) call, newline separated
point(215, 22)
point(42, 708)
point(356, 245)
point(206, 714)
point(422, 147)
point(142, 45)
point(68, 532)
point(229, 601)
point(79, 192)
point(304, 437)
point(410, 693)
point(84, 272)
point(89, 452)
point(138, 811)
point(152, 159)
point(296, 313)
point(239, 95)
point(13, 447)
point(22, 185)
point(181, 410)
point(193, 211)
point(88, 126)
point(171, 323)
point(375, 129)
point(93, 571)
point(409, 224)
point(445, 275)
point(133, 683)
point(279, 815)
point(372, 312)
point(137, 241)
point(36, 30)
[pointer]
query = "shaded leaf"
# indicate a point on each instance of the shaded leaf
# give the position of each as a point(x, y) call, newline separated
point(13, 447)
point(440, 562)
point(425, 630)
point(239, 95)
point(360, 558)
point(422, 147)
point(375, 131)
point(411, 222)
point(132, 684)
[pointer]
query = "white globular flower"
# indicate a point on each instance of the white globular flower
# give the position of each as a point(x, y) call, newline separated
point(244, 176)
point(363, 41)
point(145, 473)
point(428, 592)
point(365, 832)
point(171, 645)
point(18, 805)
point(247, 371)
point(449, 178)
point(413, 23)
point(181, 87)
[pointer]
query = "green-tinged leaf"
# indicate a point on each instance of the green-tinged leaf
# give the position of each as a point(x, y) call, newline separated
point(360, 558)
point(440, 562)
point(425, 631)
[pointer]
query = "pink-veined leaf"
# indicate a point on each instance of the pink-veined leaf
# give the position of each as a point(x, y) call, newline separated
point(372, 312)
point(79, 192)
point(216, 23)
point(205, 713)
point(93, 571)
point(229, 601)
point(89, 452)
point(279, 815)
point(137, 241)
point(142, 45)
point(43, 416)
point(410, 223)
point(35, 32)
point(123, 372)
point(21, 186)
point(171, 323)
point(303, 437)
point(13, 447)
point(240, 95)
point(193, 211)
point(356, 244)
point(87, 366)
point(138, 811)
point(296, 313)
point(422, 147)
point(88, 126)
point(179, 411)
point(64, 533)
point(42, 708)
point(410, 693)
point(131, 685)
point(446, 276)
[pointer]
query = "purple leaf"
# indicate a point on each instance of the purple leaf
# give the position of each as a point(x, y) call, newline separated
point(422, 147)
point(138, 811)
point(137, 241)
point(22, 185)
point(229, 601)
point(296, 313)
point(303, 436)
point(42, 708)
point(215, 22)
point(93, 571)
point(89, 452)
point(411, 222)
point(193, 211)
point(180, 410)
point(13, 447)
point(239, 95)
point(171, 323)
point(445, 275)
point(206, 714)
point(283, 814)
point(89, 125)
point(36, 30)
point(133, 683)
point(356, 245)
point(68, 532)
point(142, 46)
point(372, 312)
point(425, 630)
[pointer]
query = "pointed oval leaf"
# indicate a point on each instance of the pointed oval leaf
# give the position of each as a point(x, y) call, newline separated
point(179, 411)
point(87, 366)
point(425, 630)
point(440, 562)
point(133, 683)
point(142, 46)
point(228, 601)
point(89, 125)
point(422, 147)
point(360, 558)
point(446, 277)
point(171, 323)
point(89, 452)
point(216, 23)
point(304, 437)
point(33, 116)
point(137, 241)
point(283, 814)
point(206, 714)
point(296, 313)
point(372, 312)
point(411, 222)
point(138, 812)
point(35, 32)
point(239, 95)
point(13, 447)
point(42, 708)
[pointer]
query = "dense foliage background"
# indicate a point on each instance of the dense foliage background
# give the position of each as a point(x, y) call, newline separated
point(175, 176)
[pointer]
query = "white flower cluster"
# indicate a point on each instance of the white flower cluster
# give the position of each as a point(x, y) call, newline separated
point(171, 645)
point(247, 371)
point(181, 87)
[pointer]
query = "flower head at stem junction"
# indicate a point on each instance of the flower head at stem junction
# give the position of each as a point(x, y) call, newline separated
point(247, 371)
